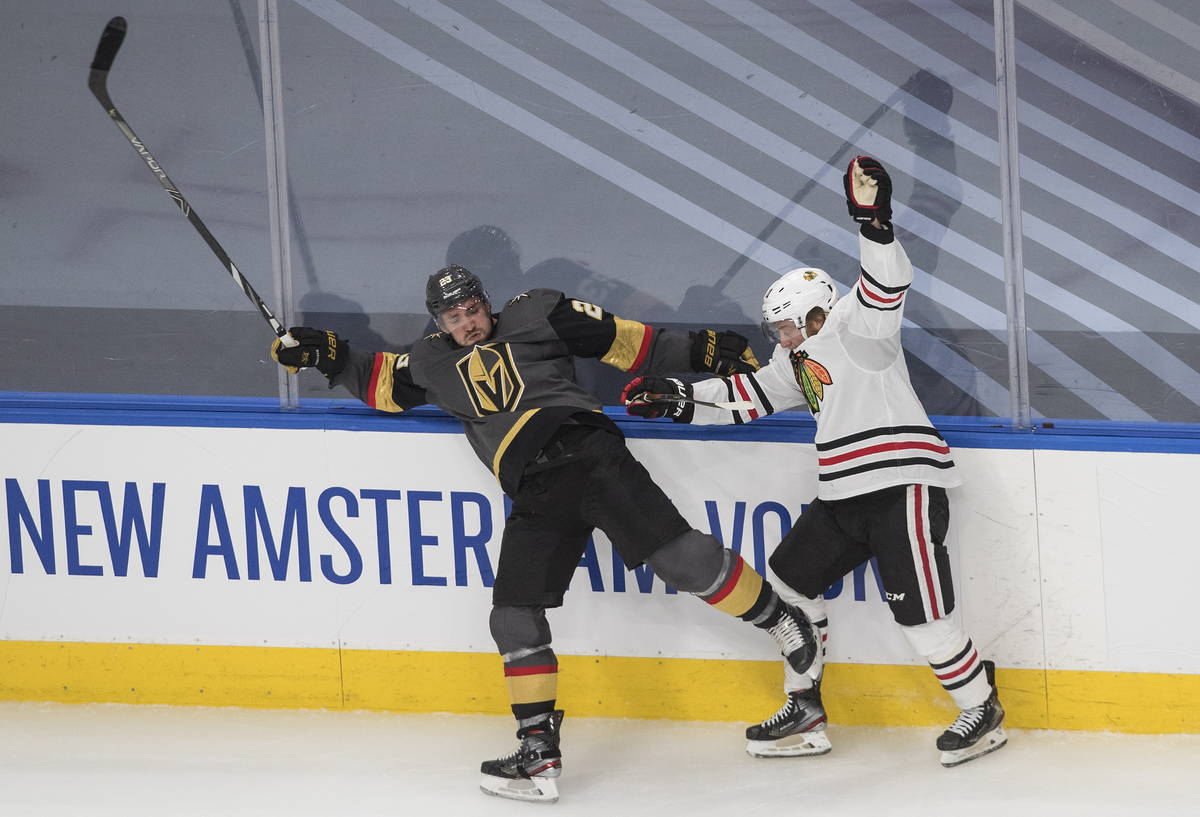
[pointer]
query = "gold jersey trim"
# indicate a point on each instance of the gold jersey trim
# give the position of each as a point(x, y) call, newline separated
point(509, 437)
point(384, 378)
point(629, 346)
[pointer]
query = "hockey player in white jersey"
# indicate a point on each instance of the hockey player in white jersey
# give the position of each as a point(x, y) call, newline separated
point(882, 468)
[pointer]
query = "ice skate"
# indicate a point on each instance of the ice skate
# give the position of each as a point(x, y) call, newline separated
point(799, 640)
point(530, 773)
point(977, 730)
point(796, 730)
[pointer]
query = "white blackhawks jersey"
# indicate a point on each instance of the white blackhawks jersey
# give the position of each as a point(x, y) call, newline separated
point(872, 431)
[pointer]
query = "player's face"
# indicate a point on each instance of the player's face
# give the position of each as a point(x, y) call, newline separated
point(787, 333)
point(790, 336)
point(468, 323)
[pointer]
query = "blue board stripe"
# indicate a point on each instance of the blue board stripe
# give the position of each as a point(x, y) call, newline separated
point(350, 415)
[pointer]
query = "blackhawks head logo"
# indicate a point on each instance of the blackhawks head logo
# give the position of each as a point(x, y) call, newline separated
point(491, 377)
point(812, 378)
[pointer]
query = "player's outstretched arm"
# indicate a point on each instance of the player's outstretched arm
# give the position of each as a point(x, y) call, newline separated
point(382, 380)
point(589, 330)
point(717, 400)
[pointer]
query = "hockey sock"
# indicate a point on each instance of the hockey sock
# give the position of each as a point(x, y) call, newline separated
point(532, 678)
point(954, 660)
point(962, 675)
point(741, 592)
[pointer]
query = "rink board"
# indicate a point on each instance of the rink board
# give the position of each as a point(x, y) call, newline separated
point(590, 686)
point(350, 567)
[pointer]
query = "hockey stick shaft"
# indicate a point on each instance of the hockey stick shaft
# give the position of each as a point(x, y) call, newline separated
point(734, 405)
point(106, 52)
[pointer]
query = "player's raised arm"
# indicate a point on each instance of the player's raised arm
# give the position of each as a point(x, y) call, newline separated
point(886, 273)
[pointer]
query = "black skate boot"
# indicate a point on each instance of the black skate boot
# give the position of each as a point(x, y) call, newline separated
point(799, 640)
point(977, 730)
point(530, 772)
point(796, 730)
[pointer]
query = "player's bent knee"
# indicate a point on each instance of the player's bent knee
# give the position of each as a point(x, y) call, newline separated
point(517, 628)
point(690, 562)
point(793, 575)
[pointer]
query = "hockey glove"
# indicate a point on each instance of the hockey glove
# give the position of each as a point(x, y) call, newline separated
point(639, 397)
point(868, 191)
point(317, 348)
point(721, 353)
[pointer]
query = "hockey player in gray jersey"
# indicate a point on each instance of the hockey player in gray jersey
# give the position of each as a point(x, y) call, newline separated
point(509, 377)
point(882, 472)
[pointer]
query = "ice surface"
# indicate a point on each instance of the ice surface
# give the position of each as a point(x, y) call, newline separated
point(97, 760)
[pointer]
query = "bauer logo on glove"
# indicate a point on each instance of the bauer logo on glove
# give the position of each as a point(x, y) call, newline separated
point(722, 353)
point(315, 348)
point(658, 397)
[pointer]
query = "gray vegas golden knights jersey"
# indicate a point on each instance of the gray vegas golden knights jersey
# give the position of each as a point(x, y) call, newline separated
point(514, 390)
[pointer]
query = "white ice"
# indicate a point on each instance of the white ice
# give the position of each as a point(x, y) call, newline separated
point(97, 760)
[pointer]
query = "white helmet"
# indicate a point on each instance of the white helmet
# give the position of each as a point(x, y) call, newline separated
point(794, 295)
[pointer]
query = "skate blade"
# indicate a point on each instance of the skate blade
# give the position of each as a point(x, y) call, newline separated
point(807, 744)
point(987, 744)
point(529, 789)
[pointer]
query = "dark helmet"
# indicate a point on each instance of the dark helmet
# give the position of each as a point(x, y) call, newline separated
point(449, 287)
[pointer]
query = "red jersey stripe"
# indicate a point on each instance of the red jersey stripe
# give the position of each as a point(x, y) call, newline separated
point(862, 286)
point(741, 389)
point(875, 449)
point(647, 335)
point(375, 369)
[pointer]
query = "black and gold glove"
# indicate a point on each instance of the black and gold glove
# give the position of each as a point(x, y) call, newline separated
point(721, 353)
point(315, 348)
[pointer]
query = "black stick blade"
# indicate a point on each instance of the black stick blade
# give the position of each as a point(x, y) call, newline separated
point(110, 42)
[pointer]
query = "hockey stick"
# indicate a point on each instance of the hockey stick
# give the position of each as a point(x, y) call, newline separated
point(106, 52)
point(735, 405)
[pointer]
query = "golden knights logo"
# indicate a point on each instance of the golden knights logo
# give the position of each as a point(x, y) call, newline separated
point(491, 378)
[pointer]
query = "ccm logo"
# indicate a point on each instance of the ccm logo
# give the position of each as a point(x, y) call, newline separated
point(895, 597)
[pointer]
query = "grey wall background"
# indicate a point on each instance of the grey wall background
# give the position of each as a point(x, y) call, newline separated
point(665, 159)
